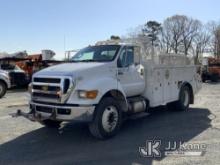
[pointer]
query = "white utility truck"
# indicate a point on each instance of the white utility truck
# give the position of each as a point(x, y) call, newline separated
point(4, 82)
point(105, 83)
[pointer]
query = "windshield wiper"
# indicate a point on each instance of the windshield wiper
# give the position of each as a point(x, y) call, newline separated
point(89, 60)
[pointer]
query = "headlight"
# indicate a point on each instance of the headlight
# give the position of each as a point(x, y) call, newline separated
point(88, 94)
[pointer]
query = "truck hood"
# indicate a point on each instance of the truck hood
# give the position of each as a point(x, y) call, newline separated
point(70, 69)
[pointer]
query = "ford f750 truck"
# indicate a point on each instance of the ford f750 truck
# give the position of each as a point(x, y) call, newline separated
point(105, 83)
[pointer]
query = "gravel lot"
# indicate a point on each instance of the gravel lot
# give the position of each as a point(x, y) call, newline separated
point(25, 142)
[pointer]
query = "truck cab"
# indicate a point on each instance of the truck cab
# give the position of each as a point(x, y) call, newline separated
point(105, 83)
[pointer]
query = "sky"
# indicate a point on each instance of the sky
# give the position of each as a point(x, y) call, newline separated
point(60, 25)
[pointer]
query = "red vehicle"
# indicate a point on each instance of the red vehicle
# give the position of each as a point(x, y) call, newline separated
point(211, 69)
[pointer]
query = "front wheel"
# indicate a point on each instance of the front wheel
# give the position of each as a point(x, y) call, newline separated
point(107, 119)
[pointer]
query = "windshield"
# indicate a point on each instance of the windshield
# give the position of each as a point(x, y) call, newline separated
point(102, 53)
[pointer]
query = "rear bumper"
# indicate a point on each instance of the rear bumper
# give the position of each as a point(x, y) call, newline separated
point(61, 113)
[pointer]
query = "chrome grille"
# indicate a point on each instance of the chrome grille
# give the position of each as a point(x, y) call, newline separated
point(47, 80)
point(51, 89)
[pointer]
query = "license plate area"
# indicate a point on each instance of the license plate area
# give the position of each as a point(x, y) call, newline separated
point(44, 109)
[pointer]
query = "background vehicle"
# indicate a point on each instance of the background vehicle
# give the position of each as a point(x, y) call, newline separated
point(108, 82)
point(211, 69)
point(17, 76)
point(4, 82)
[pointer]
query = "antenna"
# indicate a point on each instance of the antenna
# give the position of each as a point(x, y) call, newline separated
point(64, 45)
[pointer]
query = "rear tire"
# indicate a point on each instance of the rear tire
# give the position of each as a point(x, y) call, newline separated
point(184, 100)
point(3, 89)
point(107, 119)
point(51, 123)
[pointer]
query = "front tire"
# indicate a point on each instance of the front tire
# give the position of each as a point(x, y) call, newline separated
point(3, 89)
point(107, 119)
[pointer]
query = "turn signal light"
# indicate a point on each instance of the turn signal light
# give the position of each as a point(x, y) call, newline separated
point(88, 94)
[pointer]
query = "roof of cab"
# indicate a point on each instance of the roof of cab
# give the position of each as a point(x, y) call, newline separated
point(114, 42)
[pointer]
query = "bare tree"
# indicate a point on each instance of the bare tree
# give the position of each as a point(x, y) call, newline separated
point(214, 29)
point(190, 31)
point(217, 41)
point(200, 42)
point(166, 38)
point(172, 33)
point(178, 33)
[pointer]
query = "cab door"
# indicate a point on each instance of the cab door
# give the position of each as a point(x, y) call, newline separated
point(129, 75)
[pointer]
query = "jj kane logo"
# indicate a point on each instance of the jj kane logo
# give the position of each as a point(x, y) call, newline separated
point(172, 148)
point(151, 149)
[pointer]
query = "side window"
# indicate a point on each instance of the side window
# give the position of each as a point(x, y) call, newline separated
point(126, 57)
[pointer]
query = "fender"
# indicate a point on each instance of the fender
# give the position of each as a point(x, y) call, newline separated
point(102, 84)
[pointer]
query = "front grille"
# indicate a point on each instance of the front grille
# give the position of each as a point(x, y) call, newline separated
point(47, 80)
point(50, 90)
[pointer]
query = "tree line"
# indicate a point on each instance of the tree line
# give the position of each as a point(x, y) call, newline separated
point(180, 34)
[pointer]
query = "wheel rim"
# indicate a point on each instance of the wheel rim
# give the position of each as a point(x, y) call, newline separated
point(185, 98)
point(109, 118)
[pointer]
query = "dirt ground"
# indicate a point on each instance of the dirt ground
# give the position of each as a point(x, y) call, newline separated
point(25, 142)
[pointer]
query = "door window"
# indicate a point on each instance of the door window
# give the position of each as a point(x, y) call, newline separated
point(126, 57)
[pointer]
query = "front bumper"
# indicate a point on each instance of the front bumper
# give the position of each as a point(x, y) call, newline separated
point(41, 112)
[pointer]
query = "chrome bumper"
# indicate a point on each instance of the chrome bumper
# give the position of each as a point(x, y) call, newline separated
point(77, 113)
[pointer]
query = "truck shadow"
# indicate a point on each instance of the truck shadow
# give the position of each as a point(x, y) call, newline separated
point(73, 144)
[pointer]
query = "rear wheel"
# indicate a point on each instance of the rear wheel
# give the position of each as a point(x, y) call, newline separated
point(51, 123)
point(184, 99)
point(3, 89)
point(107, 119)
